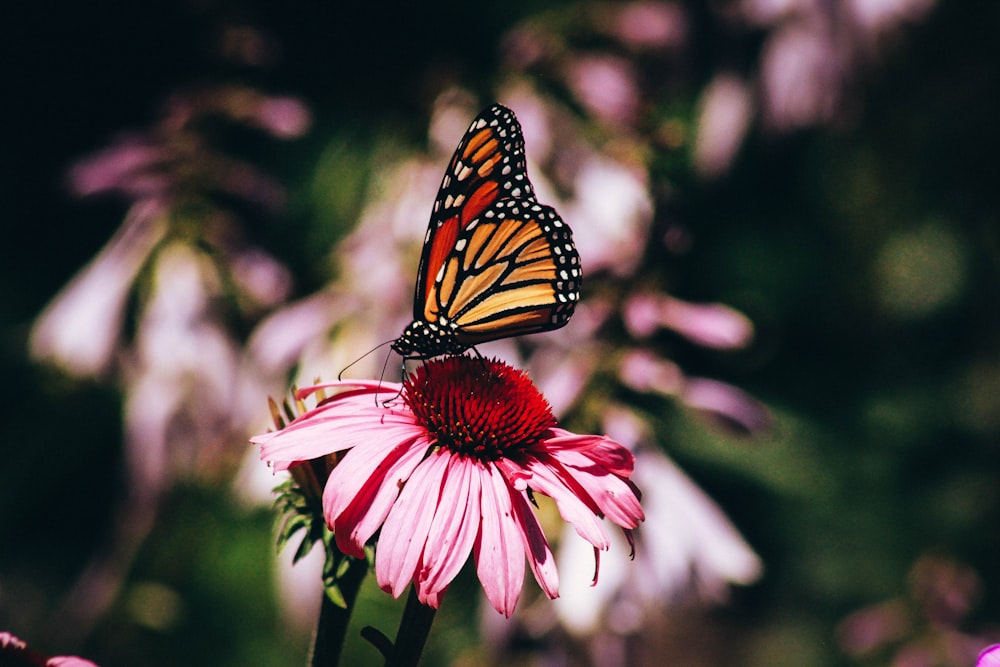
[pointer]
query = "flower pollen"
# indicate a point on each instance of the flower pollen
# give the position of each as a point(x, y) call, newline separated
point(479, 408)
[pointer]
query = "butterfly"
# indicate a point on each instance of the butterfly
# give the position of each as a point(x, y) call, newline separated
point(495, 262)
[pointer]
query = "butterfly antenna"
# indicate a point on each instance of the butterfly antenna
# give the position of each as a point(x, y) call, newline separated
point(340, 375)
point(385, 365)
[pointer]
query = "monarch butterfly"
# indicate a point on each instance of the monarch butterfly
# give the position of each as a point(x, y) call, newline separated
point(495, 263)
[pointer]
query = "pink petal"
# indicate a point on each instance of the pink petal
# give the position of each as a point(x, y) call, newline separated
point(362, 387)
point(368, 507)
point(350, 398)
point(514, 473)
point(322, 439)
point(360, 465)
point(499, 551)
point(405, 530)
point(574, 504)
point(536, 547)
point(454, 529)
point(609, 454)
point(344, 421)
point(615, 498)
point(709, 324)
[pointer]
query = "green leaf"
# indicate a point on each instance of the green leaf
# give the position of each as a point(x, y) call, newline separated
point(297, 513)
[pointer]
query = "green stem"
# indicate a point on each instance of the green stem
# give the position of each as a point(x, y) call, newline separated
point(413, 630)
point(332, 626)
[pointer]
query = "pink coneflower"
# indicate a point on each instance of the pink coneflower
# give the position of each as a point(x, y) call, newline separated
point(446, 463)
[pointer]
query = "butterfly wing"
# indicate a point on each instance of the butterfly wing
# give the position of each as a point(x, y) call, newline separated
point(514, 270)
point(487, 166)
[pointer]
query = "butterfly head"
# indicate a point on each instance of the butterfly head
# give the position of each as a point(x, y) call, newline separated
point(422, 340)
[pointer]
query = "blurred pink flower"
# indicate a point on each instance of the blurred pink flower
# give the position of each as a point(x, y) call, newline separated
point(990, 657)
point(158, 307)
point(726, 405)
point(278, 342)
point(525, 46)
point(710, 325)
point(686, 551)
point(81, 328)
point(926, 625)
point(449, 468)
point(261, 277)
point(767, 12)
point(801, 75)
point(285, 117)
point(644, 371)
point(15, 652)
point(726, 110)
point(183, 376)
point(611, 214)
point(650, 24)
point(69, 661)
point(606, 85)
point(878, 16)
point(133, 165)
point(868, 629)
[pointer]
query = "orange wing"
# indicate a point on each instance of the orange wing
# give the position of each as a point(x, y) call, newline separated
point(512, 271)
point(487, 166)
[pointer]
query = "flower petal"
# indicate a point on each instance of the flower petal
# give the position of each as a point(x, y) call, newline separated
point(499, 551)
point(358, 498)
point(536, 547)
point(604, 451)
point(405, 530)
point(616, 498)
point(575, 506)
point(362, 463)
point(454, 529)
point(347, 420)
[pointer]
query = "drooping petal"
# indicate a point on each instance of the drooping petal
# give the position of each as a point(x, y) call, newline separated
point(405, 530)
point(499, 551)
point(454, 529)
point(604, 451)
point(615, 498)
point(573, 502)
point(536, 547)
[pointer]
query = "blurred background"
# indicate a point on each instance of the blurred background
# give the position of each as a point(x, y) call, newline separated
point(787, 214)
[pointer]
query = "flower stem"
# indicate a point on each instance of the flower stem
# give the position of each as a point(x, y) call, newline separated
point(332, 626)
point(413, 630)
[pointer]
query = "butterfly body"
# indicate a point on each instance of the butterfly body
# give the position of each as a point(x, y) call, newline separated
point(495, 262)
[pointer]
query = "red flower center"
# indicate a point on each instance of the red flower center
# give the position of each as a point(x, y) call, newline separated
point(481, 408)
